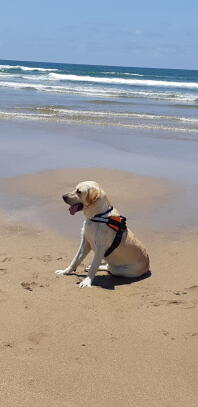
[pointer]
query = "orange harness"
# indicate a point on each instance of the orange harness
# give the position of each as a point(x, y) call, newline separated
point(117, 223)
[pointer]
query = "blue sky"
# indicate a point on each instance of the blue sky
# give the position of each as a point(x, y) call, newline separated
point(129, 33)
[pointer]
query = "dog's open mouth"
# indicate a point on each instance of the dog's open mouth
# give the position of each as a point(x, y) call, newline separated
point(75, 208)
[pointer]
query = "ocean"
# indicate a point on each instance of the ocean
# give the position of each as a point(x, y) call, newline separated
point(146, 99)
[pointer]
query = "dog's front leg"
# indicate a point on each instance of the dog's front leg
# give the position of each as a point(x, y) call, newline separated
point(82, 252)
point(92, 270)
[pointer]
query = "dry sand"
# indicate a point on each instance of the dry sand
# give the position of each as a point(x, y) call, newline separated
point(120, 343)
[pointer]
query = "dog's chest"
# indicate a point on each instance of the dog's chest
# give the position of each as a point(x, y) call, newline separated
point(92, 233)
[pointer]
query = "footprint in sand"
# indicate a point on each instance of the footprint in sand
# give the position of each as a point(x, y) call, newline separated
point(166, 333)
point(6, 259)
point(188, 298)
point(47, 258)
point(176, 302)
point(179, 292)
point(166, 302)
point(8, 345)
point(36, 337)
point(28, 286)
point(191, 336)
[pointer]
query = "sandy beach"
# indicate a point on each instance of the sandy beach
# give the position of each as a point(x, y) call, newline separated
point(106, 92)
point(120, 343)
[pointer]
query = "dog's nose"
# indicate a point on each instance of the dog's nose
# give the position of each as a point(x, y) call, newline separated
point(64, 198)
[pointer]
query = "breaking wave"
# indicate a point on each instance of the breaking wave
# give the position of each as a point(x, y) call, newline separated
point(26, 68)
point(136, 82)
point(108, 92)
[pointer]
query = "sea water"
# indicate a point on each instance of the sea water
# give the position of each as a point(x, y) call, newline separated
point(148, 99)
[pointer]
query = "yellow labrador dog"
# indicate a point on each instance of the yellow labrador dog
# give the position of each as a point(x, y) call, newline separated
point(104, 231)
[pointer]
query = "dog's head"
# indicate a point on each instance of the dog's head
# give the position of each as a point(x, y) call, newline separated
point(84, 196)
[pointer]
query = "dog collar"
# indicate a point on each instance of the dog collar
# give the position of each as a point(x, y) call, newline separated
point(103, 213)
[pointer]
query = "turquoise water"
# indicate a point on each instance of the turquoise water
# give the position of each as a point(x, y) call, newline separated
point(149, 99)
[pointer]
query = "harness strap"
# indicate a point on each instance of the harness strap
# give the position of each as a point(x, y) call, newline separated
point(118, 224)
point(115, 243)
point(103, 213)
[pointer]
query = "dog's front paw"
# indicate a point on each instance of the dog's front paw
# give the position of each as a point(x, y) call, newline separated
point(86, 282)
point(63, 272)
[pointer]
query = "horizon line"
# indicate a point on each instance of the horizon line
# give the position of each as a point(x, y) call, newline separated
point(116, 66)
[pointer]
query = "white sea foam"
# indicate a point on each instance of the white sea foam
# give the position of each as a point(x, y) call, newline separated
point(131, 74)
point(76, 88)
point(27, 68)
point(8, 75)
point(93, 113)
point(20, 85)
point(8, 67)
point(189, 119)
point(96, 114)
point(136, 82)
point(109, 114)
point(29, 116)
point(122, 73)
point(38, 77)
point(87, 120)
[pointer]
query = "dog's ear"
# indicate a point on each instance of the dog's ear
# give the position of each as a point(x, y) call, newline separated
point(92, 196)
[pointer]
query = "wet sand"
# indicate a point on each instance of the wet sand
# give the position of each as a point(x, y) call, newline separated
point(37, 198)
point(33, 147)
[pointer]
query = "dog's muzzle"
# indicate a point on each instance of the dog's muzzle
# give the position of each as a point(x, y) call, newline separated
point(74, 207)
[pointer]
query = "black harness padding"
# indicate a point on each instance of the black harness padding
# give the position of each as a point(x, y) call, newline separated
point(118, 236)
point(118, 226)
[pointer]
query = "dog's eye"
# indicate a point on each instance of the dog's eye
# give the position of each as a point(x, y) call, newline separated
point(78, 191)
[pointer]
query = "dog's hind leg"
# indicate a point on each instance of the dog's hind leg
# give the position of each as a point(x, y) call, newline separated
point(130, 271)
point(102, 267)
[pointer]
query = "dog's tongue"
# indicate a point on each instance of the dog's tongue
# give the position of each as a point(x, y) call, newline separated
point(73, 209)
